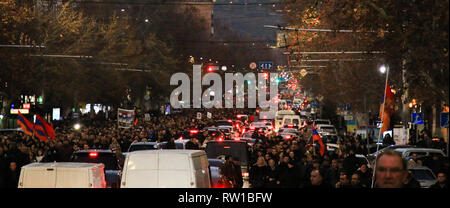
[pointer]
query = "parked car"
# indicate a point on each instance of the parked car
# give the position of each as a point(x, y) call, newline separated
point(326, 129)
point(382, 148)
point(321, 121)
point(406, 152)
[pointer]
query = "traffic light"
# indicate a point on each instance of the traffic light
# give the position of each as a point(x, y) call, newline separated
point(266, 75)
point(40, 100)
point(210, 69)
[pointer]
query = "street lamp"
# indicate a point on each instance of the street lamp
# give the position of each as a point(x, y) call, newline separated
point(382, 69)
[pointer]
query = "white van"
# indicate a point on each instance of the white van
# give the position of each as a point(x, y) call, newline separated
point(62, 175)
point(284, 117)
point(166, 169)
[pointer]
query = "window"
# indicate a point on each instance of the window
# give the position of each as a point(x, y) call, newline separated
point(423, 174)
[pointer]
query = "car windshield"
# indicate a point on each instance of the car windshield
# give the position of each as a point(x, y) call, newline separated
point(422, 174)
point(248, 134)
point(257, 124)
point(223, 123)
point(327, 129)
point(288, 131)
point(321, 122)
point(225, 130)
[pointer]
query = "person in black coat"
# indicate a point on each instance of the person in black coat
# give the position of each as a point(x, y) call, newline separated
point(351, 162)
point(388, 140)
point(170, 144)
point(232, 172)
point(412, 181)
point(442, 181)
point(435, 163)
point(365, 175)
point(272, 175)
point(317, 180)
point(192, 144)
point(257, 173)
point(11, 179)
point(289, 178)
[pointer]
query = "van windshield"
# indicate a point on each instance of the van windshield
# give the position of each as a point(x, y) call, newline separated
point(141, 147)
point(108, 159)
point(237, 150)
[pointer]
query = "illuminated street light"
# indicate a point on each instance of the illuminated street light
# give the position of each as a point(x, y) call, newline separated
point(77, 126)
point(382, 69)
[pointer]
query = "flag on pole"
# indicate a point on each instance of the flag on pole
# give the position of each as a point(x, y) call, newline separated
point(24, 124)
point(386, 109)
point(316, 138)
point(48, 129)
point(39, 131)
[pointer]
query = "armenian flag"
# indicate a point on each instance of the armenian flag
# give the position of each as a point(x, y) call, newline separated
point(388, 105)
point(26, 125)
point(316, 138)
point(48, 129)
point(39, 130)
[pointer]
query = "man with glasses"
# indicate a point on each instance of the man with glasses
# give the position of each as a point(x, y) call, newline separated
point(391, 170)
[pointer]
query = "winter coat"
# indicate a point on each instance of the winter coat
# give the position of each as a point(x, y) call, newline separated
point(257, 176)
point(272, 174)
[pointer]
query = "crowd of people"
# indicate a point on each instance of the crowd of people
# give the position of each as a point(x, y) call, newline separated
point(273, 162)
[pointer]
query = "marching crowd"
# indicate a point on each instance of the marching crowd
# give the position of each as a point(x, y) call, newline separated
point(273, 162)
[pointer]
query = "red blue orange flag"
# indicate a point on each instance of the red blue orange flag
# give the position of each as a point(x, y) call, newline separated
point(39, 131)
point(48, 129)
point(24, 124)
point(316, 137)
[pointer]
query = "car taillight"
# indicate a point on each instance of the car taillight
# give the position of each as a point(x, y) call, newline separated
point(93, 154)
point(181, 138)
point(252, 128)
point(290, 125)
point(193, 131)
point(220, 139)
point(288, 137)
point(237, 139)
point(238, 116)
